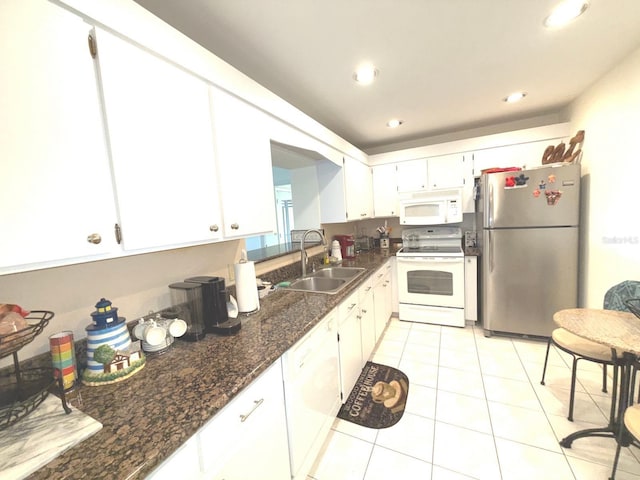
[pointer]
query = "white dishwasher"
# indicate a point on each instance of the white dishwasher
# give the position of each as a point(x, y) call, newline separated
point(312, 393)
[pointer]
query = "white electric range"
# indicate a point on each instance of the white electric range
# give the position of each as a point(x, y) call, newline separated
point(430, 267)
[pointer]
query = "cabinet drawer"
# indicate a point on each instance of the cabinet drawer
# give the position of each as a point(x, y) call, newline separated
point(228, 432)
point(348, 305)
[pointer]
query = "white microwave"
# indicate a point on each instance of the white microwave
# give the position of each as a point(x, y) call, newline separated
point(431, 208)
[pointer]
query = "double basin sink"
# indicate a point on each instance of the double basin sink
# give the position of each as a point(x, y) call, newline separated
point(327, 280)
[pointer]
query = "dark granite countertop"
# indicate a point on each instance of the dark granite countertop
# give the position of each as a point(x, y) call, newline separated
point(148, 416)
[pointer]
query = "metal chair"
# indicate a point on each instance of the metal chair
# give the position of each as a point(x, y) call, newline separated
point(631, 427)
point(582, 349)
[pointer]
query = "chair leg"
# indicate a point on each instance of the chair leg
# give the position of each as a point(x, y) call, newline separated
point(604, 377)
point(615, 462)
point(573, 387)
point(614, 396)
point(546, 359)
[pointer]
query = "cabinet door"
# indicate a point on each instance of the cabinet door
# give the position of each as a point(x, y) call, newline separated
point(56, 187)
point(385, 191)
point(312, 392)
point(412, 175)
point(358, 189)
point(161, 142)
point(446, 171)
point(382, 299)
point(243, 153)
point(350, 345)
point(367, 322)
point(471, 288)
point(233, 443)
point(184, 463)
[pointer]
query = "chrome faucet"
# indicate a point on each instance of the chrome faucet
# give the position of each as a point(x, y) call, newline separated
point(303, 253)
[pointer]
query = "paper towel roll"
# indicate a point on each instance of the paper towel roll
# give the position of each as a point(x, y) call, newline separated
point(246, 288)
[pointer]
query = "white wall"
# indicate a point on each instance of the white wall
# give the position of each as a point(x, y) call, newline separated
point(609, 112)
point(136, 285)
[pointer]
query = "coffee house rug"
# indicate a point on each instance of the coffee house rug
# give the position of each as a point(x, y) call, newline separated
point(378, 398)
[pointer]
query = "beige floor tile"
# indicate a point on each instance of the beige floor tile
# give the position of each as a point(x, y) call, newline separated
point(460, 381)
point(465, 452)
point(387, 464)
point(412, 435)
point(463, 411)
point(344, 458)
point(518, 424)
point(524, 462)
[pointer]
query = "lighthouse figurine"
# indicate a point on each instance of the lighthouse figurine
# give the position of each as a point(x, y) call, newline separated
point(111, 356)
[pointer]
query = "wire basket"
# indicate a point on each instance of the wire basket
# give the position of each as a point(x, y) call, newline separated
point(633, 304)
point(21, 394)
point(12, 342)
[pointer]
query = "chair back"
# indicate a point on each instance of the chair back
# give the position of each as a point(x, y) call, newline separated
point(615, 297)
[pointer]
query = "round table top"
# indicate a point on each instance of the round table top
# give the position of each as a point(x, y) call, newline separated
point(619, 330)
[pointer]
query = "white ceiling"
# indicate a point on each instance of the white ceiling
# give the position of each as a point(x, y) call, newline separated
point(444, 65)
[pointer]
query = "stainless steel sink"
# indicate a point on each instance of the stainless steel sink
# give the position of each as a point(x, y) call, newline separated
point(327, 280)
point(318, 285)
point(338, 272)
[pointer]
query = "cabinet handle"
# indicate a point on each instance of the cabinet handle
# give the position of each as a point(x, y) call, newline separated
point(94, 238)
point(235, 226)
point(367, 289)
point(351, 306)
point(118, 233)
point(364, 311)
point(257, 403)
point(213, 228)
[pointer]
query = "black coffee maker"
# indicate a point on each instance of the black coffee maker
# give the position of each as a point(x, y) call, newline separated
point(214, 299)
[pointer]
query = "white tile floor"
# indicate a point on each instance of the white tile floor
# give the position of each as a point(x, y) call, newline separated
point(476, 410)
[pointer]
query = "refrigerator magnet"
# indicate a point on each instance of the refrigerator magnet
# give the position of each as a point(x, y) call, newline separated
point(553, 197)
point(551, 178)
point(542, 185)
point(536, 193)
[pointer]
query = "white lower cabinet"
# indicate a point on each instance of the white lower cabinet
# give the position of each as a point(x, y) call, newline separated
point(184, 463)
point(471, 288)
point(349, 344)
point(312, 393)
point(382, 298)
point(247, 439)
point(367, 320)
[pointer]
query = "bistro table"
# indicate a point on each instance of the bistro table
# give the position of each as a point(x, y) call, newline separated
point(621, 332)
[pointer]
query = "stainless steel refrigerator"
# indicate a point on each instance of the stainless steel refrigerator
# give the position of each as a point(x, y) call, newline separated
point(529, 244)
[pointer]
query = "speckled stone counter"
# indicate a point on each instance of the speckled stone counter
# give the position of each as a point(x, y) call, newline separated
point(619, 330)
point(147, 417)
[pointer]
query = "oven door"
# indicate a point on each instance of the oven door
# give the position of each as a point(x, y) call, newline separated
point(434, 281)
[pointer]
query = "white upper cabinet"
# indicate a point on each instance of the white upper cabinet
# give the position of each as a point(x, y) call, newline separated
point(160, 133)
point(358, 188)
point(243, 154)
point(523, 155)
point(56, 190)
point(385, 191)
point(446, 171)
point(412, 175)
point(345, 191)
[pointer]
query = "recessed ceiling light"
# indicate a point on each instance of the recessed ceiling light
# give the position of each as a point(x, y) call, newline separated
point(515, 97)
point(395, 123)
point(564, 12)
point(365, 75)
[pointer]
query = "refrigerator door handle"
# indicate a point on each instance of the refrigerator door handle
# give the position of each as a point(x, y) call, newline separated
point(490, 205)
point(490, 251)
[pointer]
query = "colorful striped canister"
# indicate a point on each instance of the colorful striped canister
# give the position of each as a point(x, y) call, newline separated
point(63, 357)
